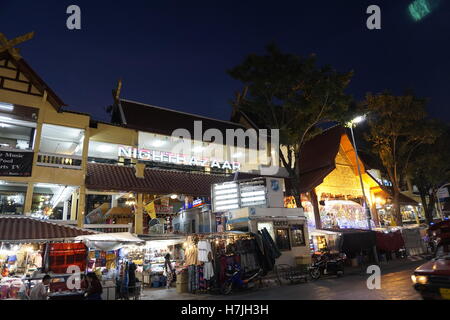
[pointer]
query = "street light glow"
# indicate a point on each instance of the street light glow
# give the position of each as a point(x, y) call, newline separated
point(358, 119)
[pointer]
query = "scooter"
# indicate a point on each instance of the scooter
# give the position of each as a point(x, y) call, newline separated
point(327, 264)
point(234, 279)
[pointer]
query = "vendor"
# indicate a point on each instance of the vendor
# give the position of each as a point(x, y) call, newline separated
point(39, 291)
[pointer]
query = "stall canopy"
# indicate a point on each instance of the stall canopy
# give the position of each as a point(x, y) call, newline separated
point(109, 241)
point(27, 229)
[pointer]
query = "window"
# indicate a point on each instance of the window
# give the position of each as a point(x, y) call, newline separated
point(298, 236)
point(61, 140)
point(282, 239)
point(52, 201)
point(12, 198)
point(16, 134)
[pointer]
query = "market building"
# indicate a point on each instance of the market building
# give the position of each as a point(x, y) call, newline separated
point(131, 174)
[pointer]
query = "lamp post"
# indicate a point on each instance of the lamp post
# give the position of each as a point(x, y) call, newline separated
point(366, 206)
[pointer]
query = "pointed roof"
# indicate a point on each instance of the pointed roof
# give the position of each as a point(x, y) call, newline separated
point(23, 67)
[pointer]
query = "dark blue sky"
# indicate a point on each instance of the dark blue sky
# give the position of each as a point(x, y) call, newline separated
point(176, 53)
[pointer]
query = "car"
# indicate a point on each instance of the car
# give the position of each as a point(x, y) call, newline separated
point(432, 279)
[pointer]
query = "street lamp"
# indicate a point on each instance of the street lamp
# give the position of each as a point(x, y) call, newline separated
point(351, 124)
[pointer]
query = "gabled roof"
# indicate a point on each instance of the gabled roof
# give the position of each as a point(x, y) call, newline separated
point(34, 78)
point(318, 157)
point(22, 228)
point(140, 116)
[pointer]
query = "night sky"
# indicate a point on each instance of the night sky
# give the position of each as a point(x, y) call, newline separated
point(176, 53)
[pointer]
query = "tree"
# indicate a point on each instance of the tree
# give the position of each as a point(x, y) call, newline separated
point(398, 126)
point(291, 93)
point(430, 169)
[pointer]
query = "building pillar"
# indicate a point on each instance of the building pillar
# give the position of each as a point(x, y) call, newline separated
point(81, 206)
point(139, 215)
point(73, 208)
point(28, 199)
point(65, 210)
point(315, 204)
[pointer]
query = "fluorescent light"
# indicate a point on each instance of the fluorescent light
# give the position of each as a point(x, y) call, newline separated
point(6, 119)
point(227, 196)
point(227, 191)
point(253, 199)
point(158, 143)
point(2, 182)
point(104, 148)
point(227, 207)
point(225, 186)
point(173, 197)
point(4, 125)
point(6, 106)
point(222, 202)
point(251, 194)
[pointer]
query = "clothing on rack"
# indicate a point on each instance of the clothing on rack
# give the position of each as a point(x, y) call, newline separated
point(204, 248)
point(208, 270)
point(191, 254)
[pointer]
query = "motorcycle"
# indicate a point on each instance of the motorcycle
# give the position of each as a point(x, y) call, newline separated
point(234, 279)
point(327, 264)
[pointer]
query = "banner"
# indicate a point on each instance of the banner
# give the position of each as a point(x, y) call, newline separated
point(150, 208)
point(16, 163)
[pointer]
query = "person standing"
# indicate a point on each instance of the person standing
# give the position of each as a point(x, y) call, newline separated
point(168, 270)
point(39, 291)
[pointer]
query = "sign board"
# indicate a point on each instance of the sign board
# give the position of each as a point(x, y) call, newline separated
point(239, 194)
point(178, 159)
point(443, 193)
point(16, 163)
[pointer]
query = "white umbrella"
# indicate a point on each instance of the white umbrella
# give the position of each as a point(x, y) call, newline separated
point(109, 241)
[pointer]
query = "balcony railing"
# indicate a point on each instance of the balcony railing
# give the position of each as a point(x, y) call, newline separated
point(59, 161)
point(105, 228)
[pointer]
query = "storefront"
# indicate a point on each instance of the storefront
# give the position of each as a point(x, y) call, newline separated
point(258, 204)
point(30, 248)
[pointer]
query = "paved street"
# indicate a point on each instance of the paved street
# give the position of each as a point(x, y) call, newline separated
point(395, 285)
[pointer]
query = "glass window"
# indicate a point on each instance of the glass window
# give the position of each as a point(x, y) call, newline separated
point(298, 236)
point(16, 134)
point(52, 201)
point(12, 198)
point(282, 239)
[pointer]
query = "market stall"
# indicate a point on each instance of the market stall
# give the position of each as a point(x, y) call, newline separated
point(108, 258)
point(30, 248)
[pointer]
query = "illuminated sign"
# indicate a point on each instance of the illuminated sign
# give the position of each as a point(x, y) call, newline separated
point(239, 194)
point(180, 159)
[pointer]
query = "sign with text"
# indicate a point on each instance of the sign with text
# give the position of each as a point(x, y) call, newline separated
point(16, 163)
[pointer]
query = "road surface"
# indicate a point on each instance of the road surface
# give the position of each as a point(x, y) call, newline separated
point(395, 285)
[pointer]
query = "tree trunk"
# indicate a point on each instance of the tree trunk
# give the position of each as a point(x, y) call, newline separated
point(430, 207)
point(423, 198)
point(397, 215)
point(315, 204)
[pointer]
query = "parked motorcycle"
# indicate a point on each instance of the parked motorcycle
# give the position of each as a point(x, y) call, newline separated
point(327, 264)
point(235, 279)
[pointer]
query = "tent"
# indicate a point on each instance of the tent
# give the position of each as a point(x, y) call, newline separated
point(109, 241)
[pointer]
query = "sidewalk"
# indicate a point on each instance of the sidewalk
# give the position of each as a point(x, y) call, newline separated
point(271, 282)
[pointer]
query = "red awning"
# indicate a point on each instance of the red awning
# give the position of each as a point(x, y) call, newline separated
point(21, 228)
point(120, 178)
